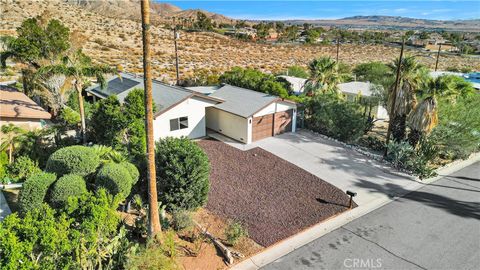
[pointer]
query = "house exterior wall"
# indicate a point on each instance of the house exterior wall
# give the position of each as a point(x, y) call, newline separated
point(275, 107)
point(194, 109)
point(24, 123)
point(231, 125)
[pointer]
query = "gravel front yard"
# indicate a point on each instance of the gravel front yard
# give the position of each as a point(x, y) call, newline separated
point(273, 198)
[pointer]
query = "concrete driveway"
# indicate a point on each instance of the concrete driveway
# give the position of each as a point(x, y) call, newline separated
point(340, 166)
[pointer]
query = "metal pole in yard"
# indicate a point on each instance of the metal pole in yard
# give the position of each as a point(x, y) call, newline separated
point(175, 37)
point(394, 100)
point(438, 56)
point(338, 46)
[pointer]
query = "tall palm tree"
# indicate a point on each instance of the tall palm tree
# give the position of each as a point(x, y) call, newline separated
point(154, 219)
point(324, 76)
point(79, 67)
point(412, 78)
point(11, 137)
point(424, 117)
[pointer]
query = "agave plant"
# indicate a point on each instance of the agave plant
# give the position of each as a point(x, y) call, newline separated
point(107, 153)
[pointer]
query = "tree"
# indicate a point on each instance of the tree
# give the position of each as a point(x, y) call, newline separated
point(312, 36)
point(154, 219)
point(412, 78)
point(79, 67)
point(424, 117)
point(108, 111)
point(374, 72)
point(203, 22)
point(12, 138)
point(325, 75)
point(296, 71)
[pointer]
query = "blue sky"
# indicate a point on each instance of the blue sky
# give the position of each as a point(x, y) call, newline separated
point(283, 10)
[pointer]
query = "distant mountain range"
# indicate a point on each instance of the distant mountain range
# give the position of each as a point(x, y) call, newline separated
point(164, 12)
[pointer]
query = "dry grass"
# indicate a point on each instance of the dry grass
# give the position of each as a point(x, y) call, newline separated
point(118, 42)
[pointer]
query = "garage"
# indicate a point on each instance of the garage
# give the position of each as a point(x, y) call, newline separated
point(271, 124)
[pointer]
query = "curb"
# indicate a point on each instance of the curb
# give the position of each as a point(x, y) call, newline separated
point(296, 241)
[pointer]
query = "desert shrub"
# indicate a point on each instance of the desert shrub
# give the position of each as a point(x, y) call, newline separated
point(334, 117)
point(115, 178)
point(234, 232)
point(132, 170)
point(3, 164)
point(22, 168)
point(183, 170)
point(373, 143)
point(34, 191)
point(418, 161)
point(65, 187)
point(152, 257)
point(181, 220)
point(76, 159)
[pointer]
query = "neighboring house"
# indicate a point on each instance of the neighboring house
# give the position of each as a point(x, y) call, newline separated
point(355, 90)
point(298, 84)
point(18, 109)
point(248, 116)
point(179, 111)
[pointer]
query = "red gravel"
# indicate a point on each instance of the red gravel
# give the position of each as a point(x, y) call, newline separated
point(273, 198)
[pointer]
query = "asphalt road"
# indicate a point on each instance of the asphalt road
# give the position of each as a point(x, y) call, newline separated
point(435, 227)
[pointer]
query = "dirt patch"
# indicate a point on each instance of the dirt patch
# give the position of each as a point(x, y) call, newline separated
point(273, 198)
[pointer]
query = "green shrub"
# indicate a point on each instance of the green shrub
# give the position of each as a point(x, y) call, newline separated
point(132, 170)
point(183, 170)
point(22, 168)
point(3, 164)
point(65, 187)
point(417, 161)
point(115, 178)
point(34, 191)
point(76, 159)
point(181, 220)
point(234, 232)
point(334, 117)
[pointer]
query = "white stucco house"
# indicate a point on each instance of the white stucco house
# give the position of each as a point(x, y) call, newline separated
point(355, 90)
point(240, 114)
point(179, 111)
point(298, 84)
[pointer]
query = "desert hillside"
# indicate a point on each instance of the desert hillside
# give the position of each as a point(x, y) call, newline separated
point(118, 42)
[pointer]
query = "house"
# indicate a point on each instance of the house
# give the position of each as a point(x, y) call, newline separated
point(354, 90)
point(18, 109)
point(248, 116)
point(298, 84)
point(179, 111)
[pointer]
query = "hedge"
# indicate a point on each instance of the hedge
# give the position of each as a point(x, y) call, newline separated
point(132, 170)
point(34, 191)
point(80, 160)
point(115, 178)
point(183, 171)
point(65, 187)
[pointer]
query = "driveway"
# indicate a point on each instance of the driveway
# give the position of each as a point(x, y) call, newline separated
point(342, 167)
point(4, 209)
point(435, 227)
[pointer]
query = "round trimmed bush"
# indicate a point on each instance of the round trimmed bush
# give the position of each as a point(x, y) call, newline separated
point(77, 159)
point(183, 172)
point(132, 170)
point(65, 187)
point(34, 191)
point(115, 178)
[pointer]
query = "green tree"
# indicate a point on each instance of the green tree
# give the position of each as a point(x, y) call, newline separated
point(325, 75)
point(203, 22)
point(311, 36)
point(374, 72)
point(412, 78)
point(108, 111)
point(424, 117)
point(79, 67)
point(296, 71)
point(11, 139)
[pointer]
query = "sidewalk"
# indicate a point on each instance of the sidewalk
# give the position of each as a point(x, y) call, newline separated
point(375, 192)
point(4, 209)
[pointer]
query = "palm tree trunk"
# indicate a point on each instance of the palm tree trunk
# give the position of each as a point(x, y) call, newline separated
point(154, 219)
point(78, 87)
point(414, 137)
point(10, 153)
point(399, 127)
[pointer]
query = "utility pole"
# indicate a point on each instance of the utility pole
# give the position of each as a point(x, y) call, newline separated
point(175, 37)
point(438, 56)
point(394, 100)
point(154, 227)
point(338, 46)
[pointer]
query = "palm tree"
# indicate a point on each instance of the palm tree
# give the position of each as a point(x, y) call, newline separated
point(412, 77)
point(79, 67)
point(424, 117)
point(324, 76)
point(12, 137)
point(154, 219)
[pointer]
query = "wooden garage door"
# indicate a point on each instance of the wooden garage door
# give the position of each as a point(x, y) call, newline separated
point(262, 126)
point(283, 121)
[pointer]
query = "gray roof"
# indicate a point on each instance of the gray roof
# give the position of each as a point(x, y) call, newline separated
point(207, 90)
point(164, 96)
point(241, 101)
point(364, 88)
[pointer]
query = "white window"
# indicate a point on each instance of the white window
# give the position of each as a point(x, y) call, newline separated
point(178, 123)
